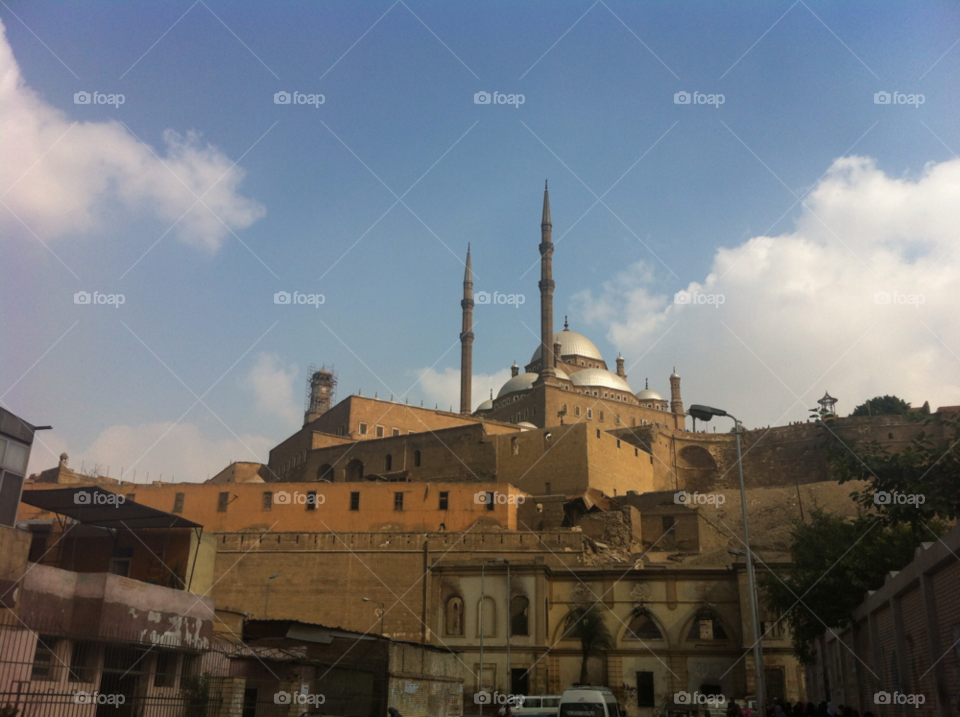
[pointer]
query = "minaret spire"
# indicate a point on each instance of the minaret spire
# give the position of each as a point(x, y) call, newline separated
point(466, 339)
point(547, 371)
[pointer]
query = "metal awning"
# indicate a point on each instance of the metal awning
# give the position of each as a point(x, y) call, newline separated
point(94, 505)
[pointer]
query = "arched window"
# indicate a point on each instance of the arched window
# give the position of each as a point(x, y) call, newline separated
point(454, 616)
point(416, 459)
point(633, 421)
point(355, 470)
point(589, 414)
point(388, 463)
point(325, 473)
point(706, 626)
point(487, 614)
point(519, 615)
point(576, 411)
point(642, 627)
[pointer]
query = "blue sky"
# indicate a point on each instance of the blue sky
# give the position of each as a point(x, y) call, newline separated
point(694, 197)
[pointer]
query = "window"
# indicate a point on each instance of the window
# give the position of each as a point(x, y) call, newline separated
point(43, 658)
point(379, 431)
point(576, 411)
point(618, 443)
point(490, 500)
point(598, 433)
point(355, 500)
point(363, 429)
point(645, 695)
point(706, 626)
point(444, 500)
point(311, 500)
point(636, 452)
point(416, 459)
point(267, 500)
point(178, 503)
point(325, 473)
point(454, 616)
point(81, 662)
point(616, 420)
point(132, 497)
point(394, 431)
point(601, 415)
point(166, 670)
point(388, 463)
point(222, 500)
point(398, 501)
point(120, 562)
point(642, 627)
point(633, 421)
point(519, 613)
point(589, 414)
point(546, 488)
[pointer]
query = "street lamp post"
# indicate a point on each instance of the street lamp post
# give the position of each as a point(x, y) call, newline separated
point(266, 600)
point(382, 612)
point(705, 413)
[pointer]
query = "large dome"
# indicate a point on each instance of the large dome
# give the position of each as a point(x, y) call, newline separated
point(600, 377)
point(485, 406)
point(572, 343)
point(520, 382)
point(648, 394)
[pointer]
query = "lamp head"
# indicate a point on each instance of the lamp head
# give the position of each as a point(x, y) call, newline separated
point(705, 413)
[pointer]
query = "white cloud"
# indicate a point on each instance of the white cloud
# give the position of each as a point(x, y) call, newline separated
point(59, 179)
point(273, 387)
point(443, 388)
point(180, 451)
point(800, 315)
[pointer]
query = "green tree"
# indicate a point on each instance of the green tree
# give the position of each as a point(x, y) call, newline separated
point(917, 484)
point(586, 623)
point(882, 406)
point(835, 561)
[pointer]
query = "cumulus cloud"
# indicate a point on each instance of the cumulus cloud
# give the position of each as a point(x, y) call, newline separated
point(60, 178)
point(443, 387)
point(274, 390)
point(860, 299)
point(182, 451)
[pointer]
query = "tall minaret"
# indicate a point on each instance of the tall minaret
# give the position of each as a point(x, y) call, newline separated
point(546, 291)
point(676, 403)
point(466, 339)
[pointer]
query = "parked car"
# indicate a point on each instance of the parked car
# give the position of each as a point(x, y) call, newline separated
point(588, 701)
point(538, 706)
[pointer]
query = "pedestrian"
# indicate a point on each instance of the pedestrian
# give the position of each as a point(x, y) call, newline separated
point(393, 712)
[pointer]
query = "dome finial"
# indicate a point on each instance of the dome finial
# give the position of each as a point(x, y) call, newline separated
point(646, 383)
point(546, 184)
point(566, 326)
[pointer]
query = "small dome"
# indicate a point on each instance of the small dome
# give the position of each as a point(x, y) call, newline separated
point(648, 394)
point(600, 377)
point(674, 374)
point(527, 425)
point(572, 343)
point(520, 382)
point(485, 406)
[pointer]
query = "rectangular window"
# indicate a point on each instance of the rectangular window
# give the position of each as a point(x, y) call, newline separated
point(81, 662)
point(178, 503)
point(379, 431)
point(132, 497)
point(355, 500)
point(444, 500)
point(363, 429)
point(267, 500)
point(546, 489)
point(598, 433)
point(490, 498)
point(398, 501)
point(576, 411)
point(166, 669)
point(44, 658)
point(601, 415)
point(311, 500)
point(222, 500)
point(645, 696)
point(395, 432)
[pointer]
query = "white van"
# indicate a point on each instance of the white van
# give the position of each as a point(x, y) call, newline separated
point(538, 706)
point(588, 701)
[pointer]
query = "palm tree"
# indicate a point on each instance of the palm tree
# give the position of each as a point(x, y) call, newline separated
point(586, 624)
